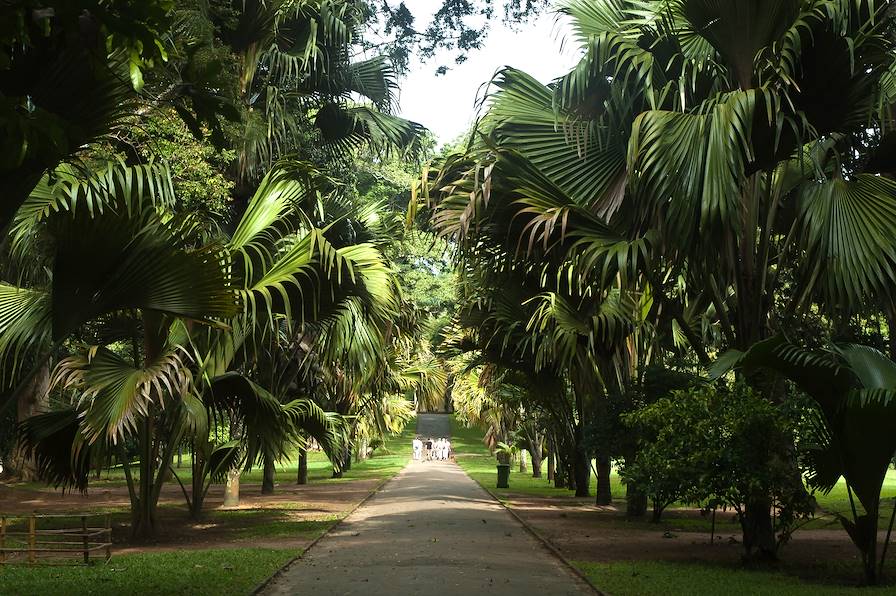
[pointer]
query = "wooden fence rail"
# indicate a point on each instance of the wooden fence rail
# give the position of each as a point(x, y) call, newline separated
point(54, 544)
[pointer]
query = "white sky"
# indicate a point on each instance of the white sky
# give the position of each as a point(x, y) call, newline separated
point(446, 104)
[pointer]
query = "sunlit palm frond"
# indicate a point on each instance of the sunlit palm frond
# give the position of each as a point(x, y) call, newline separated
point(113, 395)
point(25, 327)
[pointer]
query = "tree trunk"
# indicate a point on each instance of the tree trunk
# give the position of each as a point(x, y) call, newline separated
point(581, 460)
point(604, 492)
point(522, 461)
point(32, 400)
point(198, 485)
point(302, 476)
point(180, 455)
point(560, 474)
point(550, 466)
point(232, 489)
point(581, 465)
point(657, 513)
point(143, 517)
point(267, 478)
point(759, 535)
point(346, 463)
point(635, 501)
point(536, 462)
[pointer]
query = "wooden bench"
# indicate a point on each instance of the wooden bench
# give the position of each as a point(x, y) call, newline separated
point(48, 539)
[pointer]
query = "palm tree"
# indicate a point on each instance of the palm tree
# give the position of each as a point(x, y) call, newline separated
point(300, 88)
point(268, 271)
point(712, 152)
point(110, 252)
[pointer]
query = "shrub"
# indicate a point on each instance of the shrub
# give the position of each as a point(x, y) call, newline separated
point(726, 447)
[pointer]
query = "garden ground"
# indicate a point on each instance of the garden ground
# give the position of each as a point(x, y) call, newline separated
point(227, 552)
point(231, 551)
point(624, 557)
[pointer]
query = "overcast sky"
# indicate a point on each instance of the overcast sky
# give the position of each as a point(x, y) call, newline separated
point(446, 104)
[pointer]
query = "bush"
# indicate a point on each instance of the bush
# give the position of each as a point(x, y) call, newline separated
point(710, 447)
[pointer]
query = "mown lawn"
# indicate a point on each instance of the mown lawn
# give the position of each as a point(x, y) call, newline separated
point(660, 578)
point(213, 572)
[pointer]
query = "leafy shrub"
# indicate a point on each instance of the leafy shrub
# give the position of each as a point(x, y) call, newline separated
point(720, 447)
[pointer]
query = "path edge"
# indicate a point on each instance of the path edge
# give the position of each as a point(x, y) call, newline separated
point(265, 583)
point(544, 541)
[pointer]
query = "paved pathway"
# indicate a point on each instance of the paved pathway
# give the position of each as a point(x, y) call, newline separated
point(431, 531)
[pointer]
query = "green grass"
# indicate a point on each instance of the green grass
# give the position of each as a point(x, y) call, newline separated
point(272, 523)
point(386, 461)
point(189, 572)
point(473, 456)
point(658, 578)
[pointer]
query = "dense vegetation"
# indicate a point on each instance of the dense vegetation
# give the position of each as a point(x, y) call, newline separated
point(675, 262)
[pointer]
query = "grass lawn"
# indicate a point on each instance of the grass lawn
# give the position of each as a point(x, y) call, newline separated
point(473, 456)
point(659, 578)
point(190, 572)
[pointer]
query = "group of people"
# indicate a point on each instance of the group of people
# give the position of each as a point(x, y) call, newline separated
point(431, 449)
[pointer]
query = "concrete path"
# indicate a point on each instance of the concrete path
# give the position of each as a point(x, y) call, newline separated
point(431, 531)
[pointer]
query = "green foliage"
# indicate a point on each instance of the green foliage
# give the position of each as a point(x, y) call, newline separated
point(718, 448)
point(854, 387)
point(198, 168)
point(69, 72)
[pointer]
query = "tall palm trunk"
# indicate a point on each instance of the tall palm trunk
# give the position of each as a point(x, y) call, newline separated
point(31, 400)
point(551, 460)
point(581, 461)
point(197, 485)
point(267, 480)
point(302, 475)
point(154, 460)
point(749, 327)
point(604, 492)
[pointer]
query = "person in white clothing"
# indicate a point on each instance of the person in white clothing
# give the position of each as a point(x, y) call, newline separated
point(417, 445)
point(447, 449)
